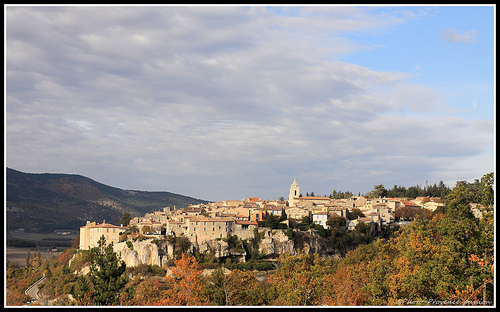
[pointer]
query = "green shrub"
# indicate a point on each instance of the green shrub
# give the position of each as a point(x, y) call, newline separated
point(248, 266)
point(263, 266)
point(130, 245)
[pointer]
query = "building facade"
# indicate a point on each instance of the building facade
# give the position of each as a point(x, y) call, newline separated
point(91, 232)
point(204, 229)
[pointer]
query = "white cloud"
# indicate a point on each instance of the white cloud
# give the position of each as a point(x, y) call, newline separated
point(452, 35)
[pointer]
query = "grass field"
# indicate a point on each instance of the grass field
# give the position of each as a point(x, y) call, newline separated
point(18, 254)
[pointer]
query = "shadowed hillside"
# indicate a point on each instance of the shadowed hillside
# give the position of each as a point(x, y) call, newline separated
point(44, 202)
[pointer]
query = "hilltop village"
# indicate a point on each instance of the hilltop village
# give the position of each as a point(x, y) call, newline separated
point(258, 252)
point(219, 220)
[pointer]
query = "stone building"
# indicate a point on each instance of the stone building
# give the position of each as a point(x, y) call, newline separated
point(294, 193)
point(200, 229)
point(91, 232)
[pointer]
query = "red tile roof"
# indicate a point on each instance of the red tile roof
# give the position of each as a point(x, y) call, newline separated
point(246, 222)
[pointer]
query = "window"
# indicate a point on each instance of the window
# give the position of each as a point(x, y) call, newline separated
point(196, 222)
point(205, 223)
point(205, 229)
point(213, 229)
point(194, 229)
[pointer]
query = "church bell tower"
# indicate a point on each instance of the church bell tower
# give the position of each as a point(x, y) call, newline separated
point(294, 192)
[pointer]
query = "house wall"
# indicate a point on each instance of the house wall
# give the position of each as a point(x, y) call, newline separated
point(296, 213)
point(203, 229)
point(92, 232)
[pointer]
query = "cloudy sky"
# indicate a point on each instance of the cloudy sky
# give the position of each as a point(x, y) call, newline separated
point(228, 102)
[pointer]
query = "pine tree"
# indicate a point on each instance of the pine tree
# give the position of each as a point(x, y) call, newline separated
point(106, 274)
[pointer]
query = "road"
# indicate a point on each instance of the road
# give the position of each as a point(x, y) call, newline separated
point(32, 292)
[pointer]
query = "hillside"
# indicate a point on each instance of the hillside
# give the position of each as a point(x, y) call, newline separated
point(44, 202)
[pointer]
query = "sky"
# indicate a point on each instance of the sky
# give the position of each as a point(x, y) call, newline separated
point(226, 102)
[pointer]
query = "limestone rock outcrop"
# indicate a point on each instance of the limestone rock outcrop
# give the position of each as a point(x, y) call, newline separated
point(272, 243)
point(144, 252)
point(276, 243)
point(219, 248)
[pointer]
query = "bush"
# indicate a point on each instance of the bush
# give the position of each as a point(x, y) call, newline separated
point(146, 270)
point(281, 226)
point(303, 228)
point(248, 266)
point(263, 266)
point(130, 245)
point(289, 233)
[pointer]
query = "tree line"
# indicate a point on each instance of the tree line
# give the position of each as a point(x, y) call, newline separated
point(379, 190)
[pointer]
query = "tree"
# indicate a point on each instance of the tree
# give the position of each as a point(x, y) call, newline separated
point(125, 219)
point(184, 285)
point(28, 258)
point(379, 191)
point(362, 227)
point(106, 274)
point(355, 213)
point(283, 216)
point(76, 243)
point(147, 293)
point(297, 280)
point(306, 220)
point(218, 292)
point(448, 257)
point(347, 286)
point(336, 221)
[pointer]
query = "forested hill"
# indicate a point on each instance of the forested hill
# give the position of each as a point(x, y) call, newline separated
point(44, 202)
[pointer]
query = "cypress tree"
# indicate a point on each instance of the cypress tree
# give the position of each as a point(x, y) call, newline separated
point(28, 258)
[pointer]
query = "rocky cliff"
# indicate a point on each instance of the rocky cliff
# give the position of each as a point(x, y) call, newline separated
point(275, 243)
point(143, 252)
point(272, 243)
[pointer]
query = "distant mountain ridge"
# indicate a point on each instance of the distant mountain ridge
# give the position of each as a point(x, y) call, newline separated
point(42, 202)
